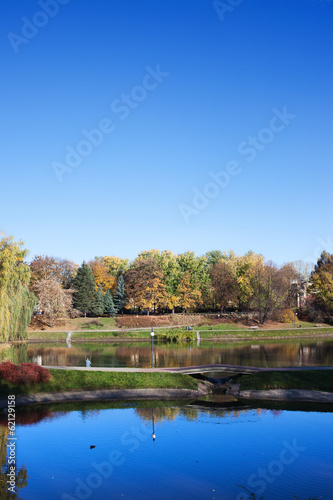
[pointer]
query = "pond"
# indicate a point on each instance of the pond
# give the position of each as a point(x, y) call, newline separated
point(272, 354)
point(179, 451)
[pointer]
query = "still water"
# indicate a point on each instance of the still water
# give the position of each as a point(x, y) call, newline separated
point(271, 354)
point(106, 451)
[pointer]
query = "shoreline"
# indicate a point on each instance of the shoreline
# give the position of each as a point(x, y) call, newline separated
point(107, 340)
point(283, 395)
point(109, 395)
point(304, 395)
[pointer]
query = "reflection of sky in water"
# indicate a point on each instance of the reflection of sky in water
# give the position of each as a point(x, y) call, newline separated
point(195, 452)
point(294, 353)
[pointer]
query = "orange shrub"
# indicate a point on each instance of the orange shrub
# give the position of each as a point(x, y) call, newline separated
point(285, 316)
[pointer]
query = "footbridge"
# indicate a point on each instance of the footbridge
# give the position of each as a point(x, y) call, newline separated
point(194, 370)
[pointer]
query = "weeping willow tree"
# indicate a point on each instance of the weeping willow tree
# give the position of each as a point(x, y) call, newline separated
point(16, 301)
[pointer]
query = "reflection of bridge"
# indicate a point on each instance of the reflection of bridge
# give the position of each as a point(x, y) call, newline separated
point(193, 370)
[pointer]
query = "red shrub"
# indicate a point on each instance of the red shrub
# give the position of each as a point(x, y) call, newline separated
point(25, 373)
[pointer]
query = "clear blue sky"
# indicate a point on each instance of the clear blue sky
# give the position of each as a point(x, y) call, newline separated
point(220, 76)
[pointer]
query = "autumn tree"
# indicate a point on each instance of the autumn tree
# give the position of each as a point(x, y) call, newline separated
point(302, 269)
point(53, 300)
point(322, 283)
point(244, 268)
point(115, 265)
point(168, 263)
point(145, 287)
point(224, 283)
point(213, 257)
point(193, 280)
point(102, 276)
point(188, 293)
point(43, 267)
point(270, 287)
point(84, 285)
point(16, 301)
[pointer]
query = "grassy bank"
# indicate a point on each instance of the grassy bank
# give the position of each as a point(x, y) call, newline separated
point(205, 334)
point(262, 333)
point(133, 334)
point(308, 380)
point(71, 380)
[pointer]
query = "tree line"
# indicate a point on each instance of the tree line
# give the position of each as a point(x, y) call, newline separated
point(159, 281)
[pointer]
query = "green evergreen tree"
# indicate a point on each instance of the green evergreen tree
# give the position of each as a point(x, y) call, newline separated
point(109, 308)
point(84, 285)
point(99, 302)
point(119, 298)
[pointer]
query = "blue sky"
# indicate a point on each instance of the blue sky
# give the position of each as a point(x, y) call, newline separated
point(179, 89)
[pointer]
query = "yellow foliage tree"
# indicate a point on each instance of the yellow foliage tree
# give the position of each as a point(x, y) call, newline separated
point(145, 287)
point(115, 265)
point(102, 276)
point(188, 293)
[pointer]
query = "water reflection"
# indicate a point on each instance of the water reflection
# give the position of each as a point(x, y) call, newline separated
point(271, 354)
point(167, 450)
point(34, 414)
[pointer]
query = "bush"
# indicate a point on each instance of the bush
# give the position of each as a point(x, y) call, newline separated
point(94, 324)
point(285, 316)
point(23, 374)
point(176, 335)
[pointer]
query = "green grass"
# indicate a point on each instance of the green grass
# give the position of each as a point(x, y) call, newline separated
point(321, 380)
point(77, 380)
point(205, 332)
point(222, 327)
point(248, 334)
point(96, 323)
point(88, 335)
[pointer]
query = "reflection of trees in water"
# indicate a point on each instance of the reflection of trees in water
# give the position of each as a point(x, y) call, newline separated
point(295, 353)
point(16, 353)
point(86, 414)
point(101, 355)
point(193, 414)
point(160, 414)
point(30, 415)
point(21, 476)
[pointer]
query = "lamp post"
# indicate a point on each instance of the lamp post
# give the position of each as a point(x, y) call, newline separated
point(219, 319)
point(152, 347)
point(137, 321)
point(153, 434)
